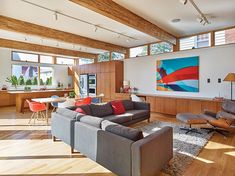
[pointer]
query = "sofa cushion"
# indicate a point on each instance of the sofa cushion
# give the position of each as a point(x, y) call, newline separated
point(128, 104)
point(101, 110)
point(86, 109)
point(229, 106)
point(69, 113)
point(126, 132)
point(118, 107)
point(121, 118)
point(136, 114)
point(91, 120)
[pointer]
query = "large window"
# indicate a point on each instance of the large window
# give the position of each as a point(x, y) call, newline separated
point(83, 61)
point(161, 47)
point(29, 75)
point(46, 74)
point(225, 37)
point(139, 51)
point(26, 75)
point(198, 41)
point(117, 56)
point(64, 61)
point(25, 57)
point(104, 57)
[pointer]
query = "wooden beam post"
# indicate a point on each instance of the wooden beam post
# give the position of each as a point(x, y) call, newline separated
point(119, 13)
point(44, 49)
point(15, 25)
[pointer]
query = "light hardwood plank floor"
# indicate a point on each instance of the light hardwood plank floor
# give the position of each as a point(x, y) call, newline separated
point(29, 150)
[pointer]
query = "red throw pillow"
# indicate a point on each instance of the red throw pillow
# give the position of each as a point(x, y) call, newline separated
point(80, 110)
point(118, 107)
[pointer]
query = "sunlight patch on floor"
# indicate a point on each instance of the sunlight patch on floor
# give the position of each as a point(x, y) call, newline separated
point(214, 145)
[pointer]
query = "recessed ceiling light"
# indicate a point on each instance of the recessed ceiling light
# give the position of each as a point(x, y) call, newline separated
point(177, 20)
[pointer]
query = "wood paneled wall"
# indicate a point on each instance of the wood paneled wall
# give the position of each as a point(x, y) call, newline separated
point(109, 77)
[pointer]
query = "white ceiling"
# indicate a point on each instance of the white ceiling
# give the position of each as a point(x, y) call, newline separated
point(161, 12)
point(26, 12)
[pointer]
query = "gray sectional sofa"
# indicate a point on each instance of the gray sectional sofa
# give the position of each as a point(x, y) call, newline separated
point(106, 139)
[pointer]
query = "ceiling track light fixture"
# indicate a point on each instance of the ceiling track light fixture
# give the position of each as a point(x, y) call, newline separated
point(183, 1)
point(25, 39)
point(202, 19)
point(96, 27)
point(56, 13)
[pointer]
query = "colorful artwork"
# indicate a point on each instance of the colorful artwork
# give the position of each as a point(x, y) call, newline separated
point(180, 74)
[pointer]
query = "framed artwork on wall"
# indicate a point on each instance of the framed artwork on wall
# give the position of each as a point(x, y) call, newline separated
point(179, 74)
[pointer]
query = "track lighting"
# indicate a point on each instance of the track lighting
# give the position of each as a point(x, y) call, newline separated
point(56, 15)
point(25, 39)
point(200, 19)
point(183, 1)
point(96, 28)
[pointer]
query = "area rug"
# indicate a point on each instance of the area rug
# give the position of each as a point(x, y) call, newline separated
point(186, 146)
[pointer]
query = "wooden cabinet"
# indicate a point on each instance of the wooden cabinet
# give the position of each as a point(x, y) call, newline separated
point(7, 99)
point(195, 106)
point(172, 106)
point(182, 105)
point(109, 77)
point(152, 102)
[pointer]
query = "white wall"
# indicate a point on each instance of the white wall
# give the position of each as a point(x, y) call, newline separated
point(215, 63)
point(60, 71)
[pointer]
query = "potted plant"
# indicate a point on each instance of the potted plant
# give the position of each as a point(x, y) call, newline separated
point(13, 80)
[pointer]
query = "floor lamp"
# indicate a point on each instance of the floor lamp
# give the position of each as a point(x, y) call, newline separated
point(230, 78)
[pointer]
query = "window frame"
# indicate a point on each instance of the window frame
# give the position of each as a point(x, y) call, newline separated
point(24, 53)
point(224, 29)
point(56, 60)
point(195, 35)
point(53, 59)
point(39, 72)
point(149, 48)
point(145, 45)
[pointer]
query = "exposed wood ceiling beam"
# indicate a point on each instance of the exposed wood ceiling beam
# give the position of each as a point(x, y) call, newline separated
point(118, 13)
point(43, 49)
point(15, 25)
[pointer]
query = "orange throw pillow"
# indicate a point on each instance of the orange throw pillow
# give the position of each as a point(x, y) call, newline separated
point(118, 107)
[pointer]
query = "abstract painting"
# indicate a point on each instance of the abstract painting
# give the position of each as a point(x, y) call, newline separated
point(180, 74)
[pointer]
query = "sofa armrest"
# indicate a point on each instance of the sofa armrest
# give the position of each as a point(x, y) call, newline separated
point(113, 152)
point(209, 113)
point(151, 153)
point(141, 105)
point(62, 127)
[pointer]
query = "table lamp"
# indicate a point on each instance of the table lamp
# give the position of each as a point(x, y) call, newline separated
point(231, 78)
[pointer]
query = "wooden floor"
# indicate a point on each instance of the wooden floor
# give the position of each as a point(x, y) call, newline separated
point(29, 150)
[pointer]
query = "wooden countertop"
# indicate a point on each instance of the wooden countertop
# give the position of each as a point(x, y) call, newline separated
point(39, 91)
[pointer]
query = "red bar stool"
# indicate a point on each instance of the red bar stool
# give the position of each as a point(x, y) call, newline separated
point(37, 109)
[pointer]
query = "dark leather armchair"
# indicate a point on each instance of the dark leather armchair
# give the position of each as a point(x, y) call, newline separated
point(223, 119)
